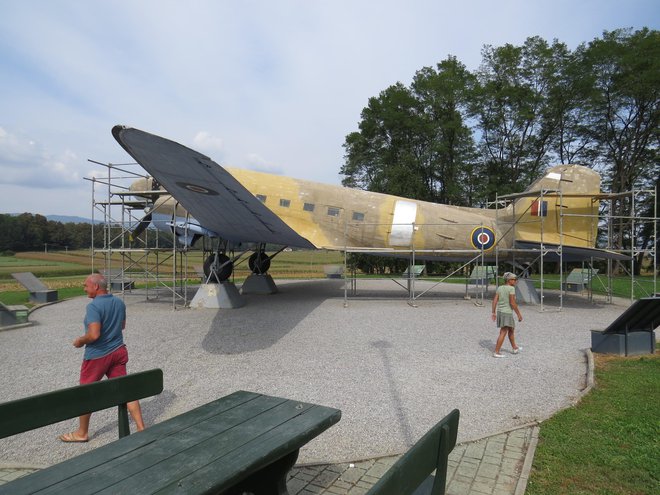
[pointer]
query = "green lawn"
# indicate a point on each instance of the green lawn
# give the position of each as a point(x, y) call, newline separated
point(66, 271)
point(39, 267)
point(610, 442)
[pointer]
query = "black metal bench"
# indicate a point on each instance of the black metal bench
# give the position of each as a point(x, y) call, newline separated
point(38, 292)
point(412, 473)
point(118, 279)
point(632, 332)
point(22, 415)
point(244, 442)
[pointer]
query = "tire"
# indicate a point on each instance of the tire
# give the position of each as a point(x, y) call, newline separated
point(223, 273)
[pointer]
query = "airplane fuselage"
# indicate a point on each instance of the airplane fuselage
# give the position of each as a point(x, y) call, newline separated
point(338, 218)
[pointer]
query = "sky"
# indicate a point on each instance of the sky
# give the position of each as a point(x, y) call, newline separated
point(267, 85)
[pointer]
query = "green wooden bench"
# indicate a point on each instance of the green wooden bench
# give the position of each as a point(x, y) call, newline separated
point(22, 415)
point(412, 473)
point(482, 274)
point(13, 315)
point(243, 442)
point(579, 279)
point(417, 271)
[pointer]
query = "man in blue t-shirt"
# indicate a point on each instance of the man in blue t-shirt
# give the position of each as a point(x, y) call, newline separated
point(105, 352)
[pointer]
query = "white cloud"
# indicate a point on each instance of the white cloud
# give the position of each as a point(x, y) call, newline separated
point(24, 162)
point(274, 86)
point(205, 141)
point(257, 163)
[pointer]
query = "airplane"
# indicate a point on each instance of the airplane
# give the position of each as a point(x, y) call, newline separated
point(197, 197)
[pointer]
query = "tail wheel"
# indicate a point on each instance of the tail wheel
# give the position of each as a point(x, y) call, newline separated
point(259, 262)
point(219, 264)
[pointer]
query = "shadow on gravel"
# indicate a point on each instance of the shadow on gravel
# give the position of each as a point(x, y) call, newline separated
point(404, 423)
point(264, 320)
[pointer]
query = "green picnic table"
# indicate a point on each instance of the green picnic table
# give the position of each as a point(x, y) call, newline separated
point(244, 442)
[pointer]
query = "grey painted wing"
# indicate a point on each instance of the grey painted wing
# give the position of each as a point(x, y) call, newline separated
point(209, 193)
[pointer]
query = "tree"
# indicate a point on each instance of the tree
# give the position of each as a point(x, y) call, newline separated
point(625, 112)
point(414, 142)
point(517, 117)
point(387, 153)
point(444, 95)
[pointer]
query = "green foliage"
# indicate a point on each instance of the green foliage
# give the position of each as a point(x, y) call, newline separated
point(458, 137)
point(413, 142)
point(609, 442)
point(27, 232)
point(624, 110)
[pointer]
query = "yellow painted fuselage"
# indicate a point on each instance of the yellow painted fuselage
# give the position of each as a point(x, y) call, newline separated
point(335, 217)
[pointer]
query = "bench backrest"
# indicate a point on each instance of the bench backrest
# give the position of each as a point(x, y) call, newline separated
point(416, 269)
point(29, 281)
point(642, 315)
point(581, 276)
point(411, 473)
point(52, 407)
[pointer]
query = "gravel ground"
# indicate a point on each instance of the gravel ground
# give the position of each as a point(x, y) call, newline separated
point(392, 369)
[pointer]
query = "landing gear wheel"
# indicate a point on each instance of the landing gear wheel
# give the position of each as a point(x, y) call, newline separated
point(223, 267)
point(259, 263)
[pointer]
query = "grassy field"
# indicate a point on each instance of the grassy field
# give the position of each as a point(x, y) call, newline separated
point(610, 442)
point(67, 271)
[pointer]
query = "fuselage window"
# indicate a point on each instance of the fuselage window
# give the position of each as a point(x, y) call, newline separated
point(333, 212)
point(358, 217)
point(261, 198)
point(285, 203)
point(308, 207)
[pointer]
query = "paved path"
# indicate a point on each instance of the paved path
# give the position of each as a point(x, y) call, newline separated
point(497, 465)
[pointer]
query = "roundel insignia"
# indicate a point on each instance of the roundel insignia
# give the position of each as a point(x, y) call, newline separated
point(197, 189)
point(482, 238)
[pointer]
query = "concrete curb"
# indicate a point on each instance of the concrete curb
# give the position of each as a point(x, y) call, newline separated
point(399, 454)
point(590, 372)
point(521, 485)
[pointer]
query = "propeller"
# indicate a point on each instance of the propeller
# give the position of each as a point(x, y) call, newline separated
point(140, 227)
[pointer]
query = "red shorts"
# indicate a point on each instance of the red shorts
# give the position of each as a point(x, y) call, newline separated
point(111, 365)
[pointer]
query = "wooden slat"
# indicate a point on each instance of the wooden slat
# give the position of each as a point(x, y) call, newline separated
point(45, 409)
point(176, 455)
point(414, 467)
point(61, 476)
point(217, 444)
point(258, 453)
point(224, 445)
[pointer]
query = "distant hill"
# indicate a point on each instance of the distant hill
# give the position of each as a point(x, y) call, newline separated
point(70, 219)
point(63, 218)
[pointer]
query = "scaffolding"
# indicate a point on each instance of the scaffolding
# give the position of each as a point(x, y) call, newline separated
point(160, 268)
point(128, 262)
point(603, 217)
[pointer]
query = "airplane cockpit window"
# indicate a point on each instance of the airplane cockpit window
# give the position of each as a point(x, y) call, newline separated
point(261, 198)
point(358, 217)
point(333, 211)
point(285, 203)
point(308, 207)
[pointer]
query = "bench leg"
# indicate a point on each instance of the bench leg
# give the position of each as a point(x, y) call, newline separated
point(271, 480)
point(122, 420)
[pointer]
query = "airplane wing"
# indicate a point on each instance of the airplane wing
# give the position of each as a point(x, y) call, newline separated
point(209, 193)
point(572, 253)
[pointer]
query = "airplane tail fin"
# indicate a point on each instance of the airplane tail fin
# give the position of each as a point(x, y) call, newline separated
point(560, 208)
